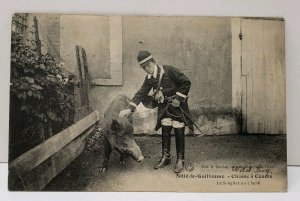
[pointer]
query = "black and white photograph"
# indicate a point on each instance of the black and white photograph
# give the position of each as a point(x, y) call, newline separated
point(128, 103)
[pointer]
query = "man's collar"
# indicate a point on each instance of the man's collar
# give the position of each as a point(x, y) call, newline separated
point(154, 72)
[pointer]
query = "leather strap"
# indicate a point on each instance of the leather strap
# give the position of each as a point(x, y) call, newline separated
point(160, 76)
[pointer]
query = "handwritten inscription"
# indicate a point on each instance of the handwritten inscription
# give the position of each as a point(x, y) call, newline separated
point(241, 169)
point(258, 171)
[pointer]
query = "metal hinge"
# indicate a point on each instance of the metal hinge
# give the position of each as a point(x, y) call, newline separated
point(241, 36)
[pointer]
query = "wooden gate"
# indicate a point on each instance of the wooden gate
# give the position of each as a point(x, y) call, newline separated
point(263, 76)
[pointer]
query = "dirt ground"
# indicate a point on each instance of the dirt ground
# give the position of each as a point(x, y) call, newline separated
point(207, 156)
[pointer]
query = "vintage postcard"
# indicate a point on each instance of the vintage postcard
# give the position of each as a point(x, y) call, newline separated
point(147, 103)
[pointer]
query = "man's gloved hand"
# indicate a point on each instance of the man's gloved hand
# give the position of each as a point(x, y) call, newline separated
point(125, 113)
point(175, 103)
point(159, 97)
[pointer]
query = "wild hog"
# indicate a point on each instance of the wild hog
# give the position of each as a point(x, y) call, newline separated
point(118, 133)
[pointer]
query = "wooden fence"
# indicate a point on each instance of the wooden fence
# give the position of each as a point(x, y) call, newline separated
point(33, 170)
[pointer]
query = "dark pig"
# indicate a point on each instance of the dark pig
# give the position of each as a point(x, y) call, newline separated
point(118, 132)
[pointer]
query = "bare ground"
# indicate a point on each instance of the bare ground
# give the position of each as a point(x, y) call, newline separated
point(208, 155)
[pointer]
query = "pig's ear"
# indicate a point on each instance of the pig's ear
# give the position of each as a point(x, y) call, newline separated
point(115, 125)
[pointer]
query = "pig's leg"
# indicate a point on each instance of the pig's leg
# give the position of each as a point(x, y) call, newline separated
point(108, 150)
point(122, 155)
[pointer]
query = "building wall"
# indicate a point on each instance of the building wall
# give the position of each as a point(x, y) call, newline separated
point(199, 46)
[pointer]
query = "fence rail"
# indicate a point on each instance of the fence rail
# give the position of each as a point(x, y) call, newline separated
point(36, 168)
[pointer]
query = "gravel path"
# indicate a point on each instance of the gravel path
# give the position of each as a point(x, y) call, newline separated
point(207, 156)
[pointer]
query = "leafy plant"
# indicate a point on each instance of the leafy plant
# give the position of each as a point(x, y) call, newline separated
point(42, 91)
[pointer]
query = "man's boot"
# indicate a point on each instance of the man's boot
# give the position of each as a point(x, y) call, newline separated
point(179, 138)
point(166, 142)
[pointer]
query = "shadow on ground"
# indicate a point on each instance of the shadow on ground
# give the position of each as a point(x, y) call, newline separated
point(209, 155)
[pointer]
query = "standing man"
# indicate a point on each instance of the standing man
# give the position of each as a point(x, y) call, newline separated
point(171, 96)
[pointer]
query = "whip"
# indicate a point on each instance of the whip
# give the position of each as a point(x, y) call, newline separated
point(185, 116)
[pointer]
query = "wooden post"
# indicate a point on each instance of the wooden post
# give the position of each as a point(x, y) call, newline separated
point(49, 127)
point(37, 38)
point(85, 78)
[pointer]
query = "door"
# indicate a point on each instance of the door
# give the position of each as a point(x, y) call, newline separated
point(263, 76)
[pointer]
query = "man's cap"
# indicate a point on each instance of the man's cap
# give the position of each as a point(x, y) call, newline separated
point(144, 56)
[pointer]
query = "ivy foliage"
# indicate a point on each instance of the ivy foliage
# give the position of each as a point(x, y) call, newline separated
point(42, 90)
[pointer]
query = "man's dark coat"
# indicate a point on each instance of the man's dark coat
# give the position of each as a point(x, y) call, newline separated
point(173, 83)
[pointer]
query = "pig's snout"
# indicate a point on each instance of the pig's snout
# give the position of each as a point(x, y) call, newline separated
point(140, 158)
point(135, 152)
